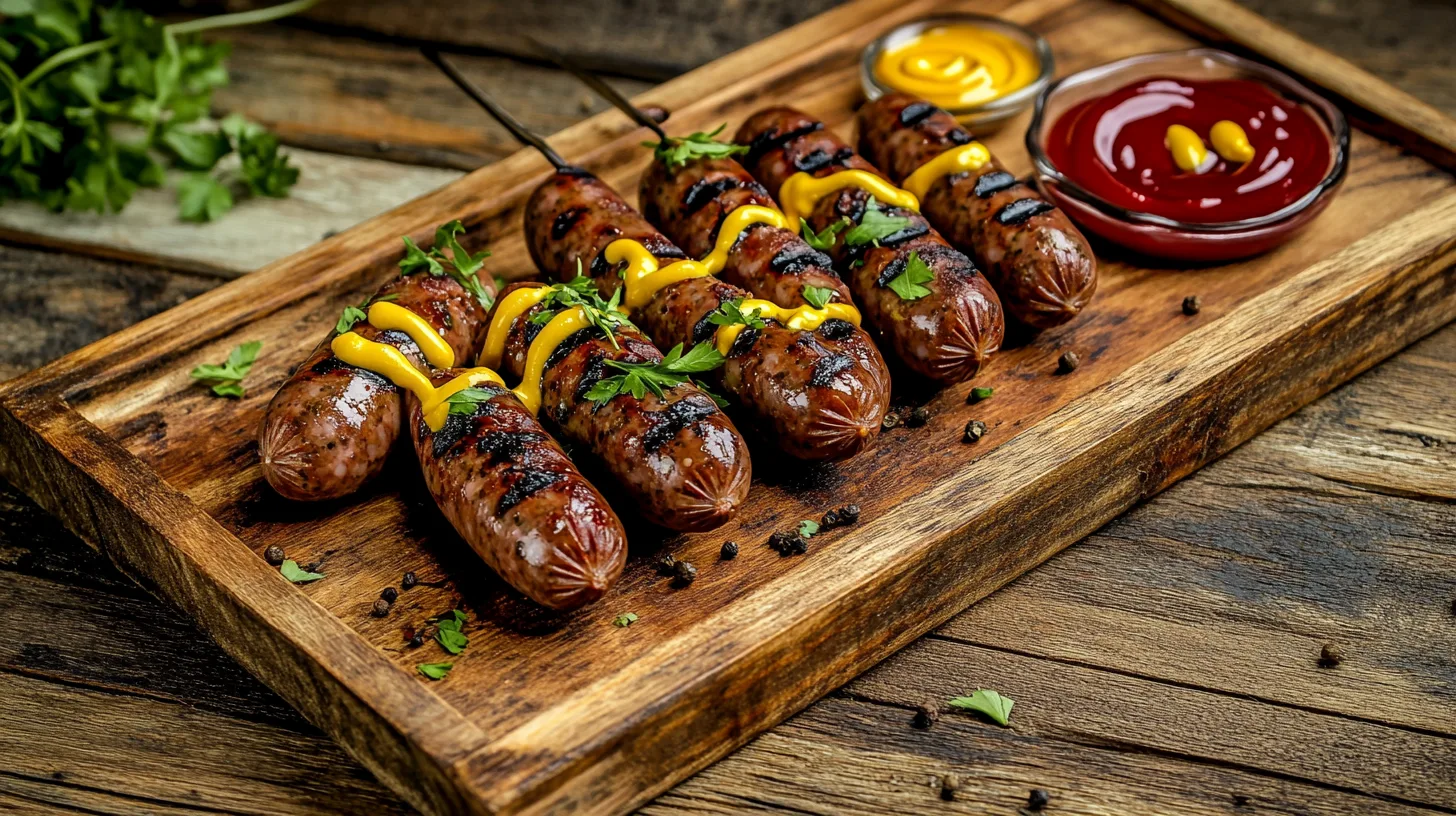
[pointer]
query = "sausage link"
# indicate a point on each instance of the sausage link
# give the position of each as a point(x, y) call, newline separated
point(818, 395)
point(1039, 263)
point(519, 502)
point(331, 426)
point(945, 336)
point(677, 456)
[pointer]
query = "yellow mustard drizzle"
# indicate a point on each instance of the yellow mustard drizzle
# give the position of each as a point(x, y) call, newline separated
point(644, 275)
point(390, 362)
point(801, 191)
point(966, 158)
point(561, 327)
point(802, 318)
point(733, 226)
point(507, 310)
point(958, 66)
point(387, 316)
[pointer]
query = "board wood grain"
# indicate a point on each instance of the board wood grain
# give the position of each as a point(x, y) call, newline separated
point(548, 712)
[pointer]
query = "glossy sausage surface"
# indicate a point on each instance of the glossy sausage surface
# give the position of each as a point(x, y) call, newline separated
point(818, 395)
point(1040, 265)
point(513, 495)
point(678, 457)
point(945, 336)
point(331, 426)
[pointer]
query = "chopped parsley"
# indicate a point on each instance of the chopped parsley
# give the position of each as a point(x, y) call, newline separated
point(582, 293)
point(227, 379)
point(448, 631)
point(824, 239)
point(875, 226)
point(808, 528)
point(675, 152)
point(464, 402)
point(458, 264)
point(987, 702)
point(639, 378)
point(354, 314)
point(623, 621)
point(298, 575)
point(910, 284)
point(730, 313)
point(818, 296)
point(435, 671)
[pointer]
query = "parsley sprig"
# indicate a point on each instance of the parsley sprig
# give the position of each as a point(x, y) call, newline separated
point(458, 264)
point(730, 313)
point(818, 296)
point(874, 226)
point(354, 314)
point(676, 152)
point(823, 240)
point(227, 379)
point(639, 378)
point(465, 400)
point(581, 292)
point(95, 98)
point(910, 284)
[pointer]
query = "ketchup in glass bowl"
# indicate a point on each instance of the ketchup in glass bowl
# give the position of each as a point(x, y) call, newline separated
point(1196, 155)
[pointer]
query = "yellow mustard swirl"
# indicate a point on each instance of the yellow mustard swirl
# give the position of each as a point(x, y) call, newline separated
point(958, 66)
point(802, 318)
point(966, 158)
point(801, 191)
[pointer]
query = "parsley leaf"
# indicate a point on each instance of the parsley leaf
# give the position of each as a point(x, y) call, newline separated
point(626, 620)
point(676, 152)
point(226, 379)
point(987, 702)
point(435, 671)
point(730, 313)
point(94, 94)
point(824, 239)
point(458, 264)
point(464, 401)
point(670, 371)
point(874, 226)
point(448, 631)
point(818, 296)
point(354, 314)
point(581, 292)
point(298, 575)
point(909, 284)
point(808, 528)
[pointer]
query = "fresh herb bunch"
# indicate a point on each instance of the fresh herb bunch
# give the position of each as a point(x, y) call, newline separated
point(730, 313)
point(639, 378)
point(581, 292)
point(458, 264)
point(94, 96)
point(676, 152)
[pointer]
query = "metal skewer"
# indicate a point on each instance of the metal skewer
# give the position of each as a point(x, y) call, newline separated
point(518, 130)
point(599, 85)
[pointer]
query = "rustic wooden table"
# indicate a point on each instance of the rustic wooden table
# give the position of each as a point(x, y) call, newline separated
point(1168, 664)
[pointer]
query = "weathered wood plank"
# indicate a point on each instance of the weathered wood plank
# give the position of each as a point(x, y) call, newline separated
point(384, 101)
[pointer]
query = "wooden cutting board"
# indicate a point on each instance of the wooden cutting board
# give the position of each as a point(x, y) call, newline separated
point(557, 713)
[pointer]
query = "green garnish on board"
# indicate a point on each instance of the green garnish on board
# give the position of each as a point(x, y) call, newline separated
point(98, 100)
point(226, 380)
point(298, 575)
point(988, 702)
point(448, 631)
point(435, 671)
point(678, 151)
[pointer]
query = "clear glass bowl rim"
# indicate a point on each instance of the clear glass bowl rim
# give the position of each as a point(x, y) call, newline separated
point(1010, 103)
point(1335, 122)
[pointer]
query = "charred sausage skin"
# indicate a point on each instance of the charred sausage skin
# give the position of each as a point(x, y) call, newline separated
point(819, 395)
point(513, 495)
point(945, 336)
point(331, 426)
point(677, 456)
point(1036, 259)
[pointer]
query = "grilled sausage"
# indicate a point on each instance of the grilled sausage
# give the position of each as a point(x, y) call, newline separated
point(519, 502)
point(946, 335)
point(1039, 263)
point(819, 395)
point(331, 426)
point(677, 456)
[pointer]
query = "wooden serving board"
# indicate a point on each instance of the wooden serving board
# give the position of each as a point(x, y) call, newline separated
point(568, 713)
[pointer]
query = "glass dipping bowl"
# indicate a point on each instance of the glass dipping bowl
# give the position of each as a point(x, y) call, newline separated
point(987, 116)
point(1163, 237)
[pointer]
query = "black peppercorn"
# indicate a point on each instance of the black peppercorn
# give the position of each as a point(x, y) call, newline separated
point(684, 573)
point(313, 567)
point(830, 520)
point(926, 715)
point(975, 429)
point(1331, 655)
point(665, 564)
point(849, 514)
point(381, 608)
point(1068, 362)
point(949, 784)
point(273, 555)
point(729, 551)
point(918, 417)
point(417, 640)
point(788, 543)
point(891, 420)
point(389, 594)
point(1191, 305)
point(1038, 799)
point(409, 581)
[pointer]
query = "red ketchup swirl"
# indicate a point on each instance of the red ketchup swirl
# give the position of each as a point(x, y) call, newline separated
point(1114, 146)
